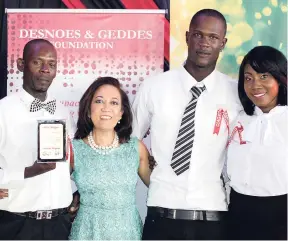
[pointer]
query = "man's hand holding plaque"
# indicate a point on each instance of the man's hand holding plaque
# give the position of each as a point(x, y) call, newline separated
point(38, 169)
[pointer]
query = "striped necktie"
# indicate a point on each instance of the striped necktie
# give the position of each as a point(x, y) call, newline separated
point(184, 143)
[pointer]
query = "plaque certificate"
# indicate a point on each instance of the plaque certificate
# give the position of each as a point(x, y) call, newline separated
point(51, 140)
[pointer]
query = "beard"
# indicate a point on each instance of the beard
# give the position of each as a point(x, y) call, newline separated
point(40, 86)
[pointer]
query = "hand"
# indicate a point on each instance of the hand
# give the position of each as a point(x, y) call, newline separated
point(74, 206)
point(38, 169)
point(152, 162)
point(3, 193)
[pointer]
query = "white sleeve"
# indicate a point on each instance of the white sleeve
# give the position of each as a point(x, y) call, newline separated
point(8, 173)
point(73, 185)
point(142, 111)
point(11, 177)
point(1, 175)
point(226, 181)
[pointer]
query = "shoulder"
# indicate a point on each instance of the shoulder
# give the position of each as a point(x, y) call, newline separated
point(159, 78)
point(133, 141)
point(141, 145)
point(138, 144)
point(9, 103)
point(280, 116)
point(227, 81)
point(283, 109)
point(76, 143)
point(10, 99)
point(143, 151)
point(243, 118)
point(152, 86)
point(229, 90)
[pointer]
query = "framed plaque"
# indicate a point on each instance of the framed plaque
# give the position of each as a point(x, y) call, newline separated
point(51, 146)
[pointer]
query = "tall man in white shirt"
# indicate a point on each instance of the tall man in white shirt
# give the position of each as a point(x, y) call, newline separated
point(188, 111)
point(38, 194)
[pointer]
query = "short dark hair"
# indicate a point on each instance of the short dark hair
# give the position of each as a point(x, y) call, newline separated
point(209, 13)
point(29, 44)
point(264, 59)
point(85, 124)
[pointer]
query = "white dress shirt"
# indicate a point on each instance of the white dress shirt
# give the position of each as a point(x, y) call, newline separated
point(18, 149)
point(259, 166)
point(160, 104)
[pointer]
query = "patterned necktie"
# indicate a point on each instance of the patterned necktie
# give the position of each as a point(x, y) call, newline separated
point(184, 143)
point(37, 105)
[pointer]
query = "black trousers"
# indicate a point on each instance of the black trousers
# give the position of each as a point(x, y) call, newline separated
point(15, 227)
point(257, 218)
point(158, 228)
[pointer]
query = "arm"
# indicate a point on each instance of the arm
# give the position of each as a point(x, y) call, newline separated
point(226, 181)
point(144, 171)
point(7, 173)
point(38, 169)
point(71, 161)
point(70, 155)
point(224, 174)
point(142, 109)
point(3, 193)
point(74, 206)
point(71, 129)
point(14, 173)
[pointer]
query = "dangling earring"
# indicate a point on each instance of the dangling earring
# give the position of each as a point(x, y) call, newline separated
point(118, 122)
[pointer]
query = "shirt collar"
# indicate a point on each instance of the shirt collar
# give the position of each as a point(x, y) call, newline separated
point(260, 121)
point(28, 99)
point(276, 110)
point(188, 81)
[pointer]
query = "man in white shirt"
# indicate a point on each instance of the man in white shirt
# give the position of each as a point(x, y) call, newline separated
point(188, 111)
point(35, 196)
